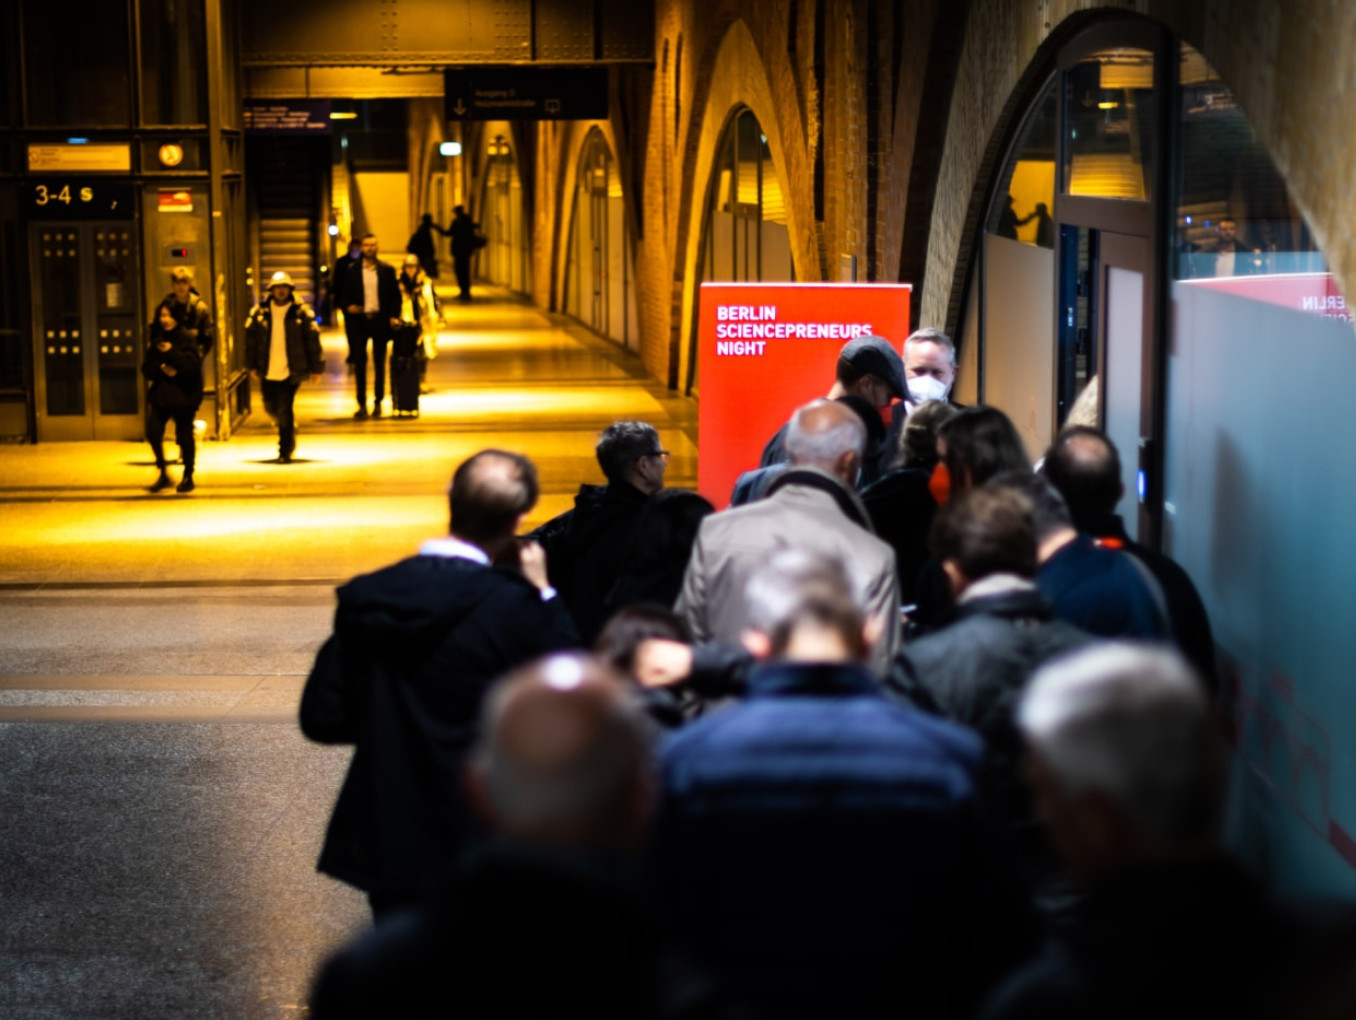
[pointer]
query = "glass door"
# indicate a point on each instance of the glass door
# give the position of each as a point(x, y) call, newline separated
point(87, 333)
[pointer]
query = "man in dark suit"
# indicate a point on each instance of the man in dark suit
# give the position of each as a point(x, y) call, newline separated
point(414, 648)
point(370, 297)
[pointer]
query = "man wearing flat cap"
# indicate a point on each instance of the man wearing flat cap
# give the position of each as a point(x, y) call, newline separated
point(870, 369)
point(282, 348)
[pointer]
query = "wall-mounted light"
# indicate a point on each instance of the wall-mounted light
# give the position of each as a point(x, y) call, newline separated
point(343, 115)
point(449, 149)
point(1109, 104)
point(334, 230)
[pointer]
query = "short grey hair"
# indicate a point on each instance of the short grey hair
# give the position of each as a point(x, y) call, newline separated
point(931, 335)
point(823, 449)
point(1131, 721)
point(796, 585)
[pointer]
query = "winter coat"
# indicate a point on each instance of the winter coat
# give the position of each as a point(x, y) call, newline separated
point(182, 390)
point(304, 354)
point(415, 647)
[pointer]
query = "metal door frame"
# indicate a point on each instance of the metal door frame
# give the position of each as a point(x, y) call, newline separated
point(92, 424)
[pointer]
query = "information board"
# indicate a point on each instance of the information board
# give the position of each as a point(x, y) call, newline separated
point(525, 92)
point(76, 157)
point(288, 116)
point(763, 349)
point(66, 199)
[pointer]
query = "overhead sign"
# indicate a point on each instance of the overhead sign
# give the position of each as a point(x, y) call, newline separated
point(288, 117)
point(766, 348)
point(525, 92)
point(78, 157)
point(65, 199)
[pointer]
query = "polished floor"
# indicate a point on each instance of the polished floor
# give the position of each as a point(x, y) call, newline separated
point(161, 811)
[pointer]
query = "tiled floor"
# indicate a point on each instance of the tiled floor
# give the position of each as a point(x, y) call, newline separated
point(161, 811)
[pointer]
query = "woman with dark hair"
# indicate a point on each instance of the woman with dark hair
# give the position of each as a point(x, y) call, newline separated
point(173, 365)
point(670, 706)
point(972, 447)
point(901, 504)
point(977, 444)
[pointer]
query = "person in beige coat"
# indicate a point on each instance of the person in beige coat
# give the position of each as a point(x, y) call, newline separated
point(810, 506)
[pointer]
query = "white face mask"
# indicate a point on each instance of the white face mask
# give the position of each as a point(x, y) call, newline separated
point(926, 387)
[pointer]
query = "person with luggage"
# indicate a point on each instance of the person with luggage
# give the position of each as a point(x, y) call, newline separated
point(173, 364)
point(418, 320)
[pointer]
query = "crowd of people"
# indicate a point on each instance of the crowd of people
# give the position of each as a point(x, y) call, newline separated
point(912, 730)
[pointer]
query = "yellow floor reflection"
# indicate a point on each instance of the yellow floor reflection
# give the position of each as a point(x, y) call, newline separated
point(360, 494)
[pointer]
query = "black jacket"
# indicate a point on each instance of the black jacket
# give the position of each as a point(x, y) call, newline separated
point(588, 547)
point(415, 646)
point(974, 671)
point(350, 289)
point(182, 390)
point(1175, 941)
point(524, 932)
point(901, 508)
point(304, 354)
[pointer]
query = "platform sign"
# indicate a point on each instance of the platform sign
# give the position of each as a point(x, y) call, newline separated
point(766, 348)
point(525, 92)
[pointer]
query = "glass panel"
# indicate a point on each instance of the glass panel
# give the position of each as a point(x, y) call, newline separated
point(1237, 229)
point(1019, 336)
point(1109, 117)
point(1259, 488)
point(1124, 353)
point(60, 323)
point(1027, 186)
point(115, 298)
point(80, 77)
point(173, 62)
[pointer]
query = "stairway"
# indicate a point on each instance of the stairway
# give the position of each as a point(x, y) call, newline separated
point(285, 193)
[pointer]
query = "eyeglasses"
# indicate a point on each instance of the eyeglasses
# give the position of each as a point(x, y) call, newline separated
point(664, 455)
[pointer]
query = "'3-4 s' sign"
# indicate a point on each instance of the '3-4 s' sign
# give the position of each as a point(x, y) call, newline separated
point(78, 200)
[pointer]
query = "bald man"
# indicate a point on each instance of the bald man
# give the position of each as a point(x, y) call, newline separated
point(812, 506)
point(415, 647)
point(547, 919)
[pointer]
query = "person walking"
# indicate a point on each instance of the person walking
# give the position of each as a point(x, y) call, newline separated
point(370, 297)
point(282, 347)
point(173, 365)
point(414, 337)
point(422, 247)
point(466, 241)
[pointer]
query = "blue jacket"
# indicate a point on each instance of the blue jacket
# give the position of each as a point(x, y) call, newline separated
point(828, 854)
point(1103, 591)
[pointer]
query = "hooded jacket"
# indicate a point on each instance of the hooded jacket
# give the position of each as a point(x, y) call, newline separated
point(414, 649)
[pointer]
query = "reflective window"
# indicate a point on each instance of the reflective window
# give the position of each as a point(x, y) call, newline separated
point(1238, 231)
point(746, 229)
point(78, 74)
point(1109, 122)
point(173, 62)
point(1024, 204)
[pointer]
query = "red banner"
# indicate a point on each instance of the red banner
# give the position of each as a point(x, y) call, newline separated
point(766, 348)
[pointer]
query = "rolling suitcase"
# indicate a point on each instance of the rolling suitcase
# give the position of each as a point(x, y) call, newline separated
point(405, 385)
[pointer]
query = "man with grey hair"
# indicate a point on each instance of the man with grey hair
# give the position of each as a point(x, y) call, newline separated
point(811, 506)
point(546, 918)
point(1128, 777)
point(820, 846)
